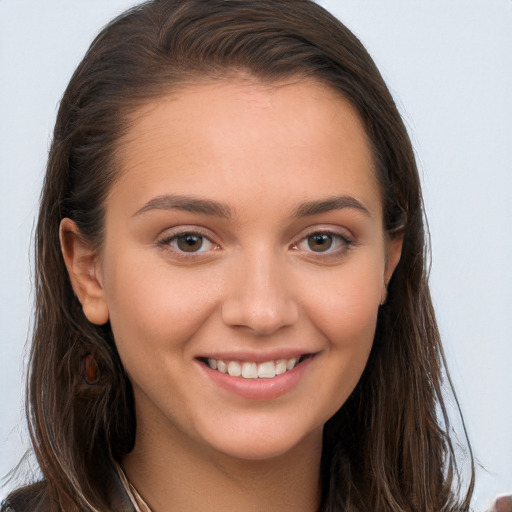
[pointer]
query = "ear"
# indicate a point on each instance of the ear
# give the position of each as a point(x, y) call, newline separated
point(394, 251)
point(82, 263)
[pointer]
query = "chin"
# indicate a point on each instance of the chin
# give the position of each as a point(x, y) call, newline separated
point(264, 444)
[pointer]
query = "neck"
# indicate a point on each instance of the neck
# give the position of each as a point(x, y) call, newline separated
point(173, 476)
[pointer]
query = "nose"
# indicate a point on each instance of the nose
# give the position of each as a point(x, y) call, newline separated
point(260, 297)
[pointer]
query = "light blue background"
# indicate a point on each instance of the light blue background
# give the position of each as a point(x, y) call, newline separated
point(449, 66)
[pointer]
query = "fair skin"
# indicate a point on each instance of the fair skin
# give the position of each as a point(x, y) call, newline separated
point(245, 228)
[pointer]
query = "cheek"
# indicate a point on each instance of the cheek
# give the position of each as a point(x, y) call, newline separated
point(152, 309)
point(348, 322)
point(344, 304)
point(346, 315)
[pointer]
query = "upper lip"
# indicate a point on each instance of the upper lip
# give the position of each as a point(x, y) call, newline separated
point(256, 356)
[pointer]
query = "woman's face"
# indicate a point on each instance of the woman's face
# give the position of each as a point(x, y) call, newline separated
point(244, 235)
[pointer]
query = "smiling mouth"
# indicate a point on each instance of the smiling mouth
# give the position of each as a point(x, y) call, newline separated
point(253, 370)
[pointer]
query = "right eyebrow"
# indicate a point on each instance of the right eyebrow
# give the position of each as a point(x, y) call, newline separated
point(188, 204)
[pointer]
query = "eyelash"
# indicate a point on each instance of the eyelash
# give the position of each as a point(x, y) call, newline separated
point(341, 244)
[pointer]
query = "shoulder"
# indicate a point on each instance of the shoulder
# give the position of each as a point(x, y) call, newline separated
point(32, 498)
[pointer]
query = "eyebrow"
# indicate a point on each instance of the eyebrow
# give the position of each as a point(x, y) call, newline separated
point(208, 207)
point(330, 204)
point(187, 204)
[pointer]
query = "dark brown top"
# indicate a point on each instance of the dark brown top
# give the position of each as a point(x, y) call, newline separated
point(34, 498)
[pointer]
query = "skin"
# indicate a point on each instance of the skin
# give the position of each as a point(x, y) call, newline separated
point(257, 285)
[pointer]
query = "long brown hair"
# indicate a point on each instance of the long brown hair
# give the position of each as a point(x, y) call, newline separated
point(389, 447)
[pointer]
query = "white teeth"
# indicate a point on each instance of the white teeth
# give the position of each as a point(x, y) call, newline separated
point(290, 364)
point(221, 366)
point(280, 366)
point(234, 369)
point(266, 370)
point(252, 370)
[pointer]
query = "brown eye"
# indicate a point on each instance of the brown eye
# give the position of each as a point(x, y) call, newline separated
point(320, 242)
point(324, 244)
point(189, 242)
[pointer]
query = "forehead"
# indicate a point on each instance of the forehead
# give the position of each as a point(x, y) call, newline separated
point(241, 134)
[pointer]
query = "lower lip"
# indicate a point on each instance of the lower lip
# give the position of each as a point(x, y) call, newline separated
point(259, 389)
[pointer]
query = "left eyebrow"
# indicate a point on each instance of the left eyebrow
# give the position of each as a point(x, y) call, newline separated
point(329, 204)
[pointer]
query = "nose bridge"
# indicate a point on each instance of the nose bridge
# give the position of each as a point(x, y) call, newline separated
point(260, 297)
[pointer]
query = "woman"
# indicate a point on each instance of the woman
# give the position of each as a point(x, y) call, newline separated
point(232, 307)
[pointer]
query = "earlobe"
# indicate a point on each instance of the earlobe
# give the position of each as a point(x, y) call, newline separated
point(82, 264)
